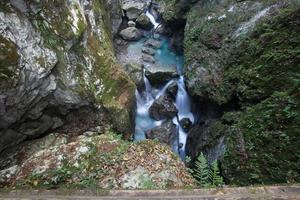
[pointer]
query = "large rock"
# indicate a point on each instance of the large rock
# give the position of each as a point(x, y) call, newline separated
point(172, 90)
point(54, 61)
point(158, 74)
point(131, 34)
point(148, 58)
point(144, 22)
point(204, 138)
point(133, 8)
point(246, 58)
point(207, 51)
point(153, 43)
point(115, 11)
point(135, 72)
point(165, 133)
point(148, 50)
point(60, 163)
point(163, 108)
point(186, 124)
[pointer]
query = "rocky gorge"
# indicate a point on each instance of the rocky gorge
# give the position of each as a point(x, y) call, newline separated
point(116, 94)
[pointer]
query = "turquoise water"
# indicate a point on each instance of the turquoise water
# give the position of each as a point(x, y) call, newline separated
point(167, 57)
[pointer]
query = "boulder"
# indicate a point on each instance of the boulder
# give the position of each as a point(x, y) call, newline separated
point(131, 24)
point(148, 58)
point(172, 90)
point(159, 75)
point(131, 34)
point(202, 138)
point(133, 8)
point(135, 166)
point(186, 124)
point(148, 50)
point(144, 22)
point(153, 43)
point(165, 133)
point(163, 108)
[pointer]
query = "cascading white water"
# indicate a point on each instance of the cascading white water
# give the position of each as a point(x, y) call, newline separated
point(152, 19)
point(144, 100)
point(183, 104)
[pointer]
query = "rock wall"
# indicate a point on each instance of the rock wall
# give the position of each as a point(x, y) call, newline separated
point(57, 57)
point(241, 57)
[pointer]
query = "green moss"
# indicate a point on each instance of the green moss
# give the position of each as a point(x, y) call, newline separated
point(94, 164)
point(9, 59)
point(263, 138)
point(5, 6)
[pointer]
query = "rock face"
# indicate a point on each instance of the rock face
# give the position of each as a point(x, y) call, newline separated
point(135, 72)
point(158, 75)
point(214, 37)
point(51, 66)
point(186, 124)
point(131, 34)
point(163, 108)
point(105, 160)
point(165, 133)
point(247, 58)
point(144, 22)
point(115, 11)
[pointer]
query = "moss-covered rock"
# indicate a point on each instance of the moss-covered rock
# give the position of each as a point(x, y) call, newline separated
point(62, 51)
point(9, 59)
point(263, 141)
point(261, 74)
point(214, 29)
point(99, 161)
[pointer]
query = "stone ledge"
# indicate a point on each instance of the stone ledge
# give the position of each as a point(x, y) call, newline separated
point(253, 192)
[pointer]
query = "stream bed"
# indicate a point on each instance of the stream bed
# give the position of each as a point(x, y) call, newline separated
point(163, 59)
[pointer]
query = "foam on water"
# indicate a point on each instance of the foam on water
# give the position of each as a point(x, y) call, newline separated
point(146, 98)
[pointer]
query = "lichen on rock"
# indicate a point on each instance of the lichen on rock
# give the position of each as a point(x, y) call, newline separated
point(103, 161)
point(58, 56)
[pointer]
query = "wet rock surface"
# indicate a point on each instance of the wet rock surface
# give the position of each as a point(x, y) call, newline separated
point(165, 133)
point(144, 22)
point(186, 124)
point(153, 43)
point(148, 58)
point(163, 108)
point(158, 74)
point(172, 90)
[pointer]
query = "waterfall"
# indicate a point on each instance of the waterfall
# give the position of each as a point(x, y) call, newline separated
point(146, 98)
point(183, 104)
point(152, 19)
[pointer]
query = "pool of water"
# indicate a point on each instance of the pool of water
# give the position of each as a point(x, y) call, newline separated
point(167, 57)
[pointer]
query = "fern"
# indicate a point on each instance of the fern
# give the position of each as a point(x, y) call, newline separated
point(215, 177)
point(201, 171)
point(205, 175)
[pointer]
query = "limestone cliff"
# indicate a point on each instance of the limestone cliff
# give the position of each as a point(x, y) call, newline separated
point(57, 57)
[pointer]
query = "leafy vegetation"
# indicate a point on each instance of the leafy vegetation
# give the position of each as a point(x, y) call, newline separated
point(263, 137)
point(206, 175)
